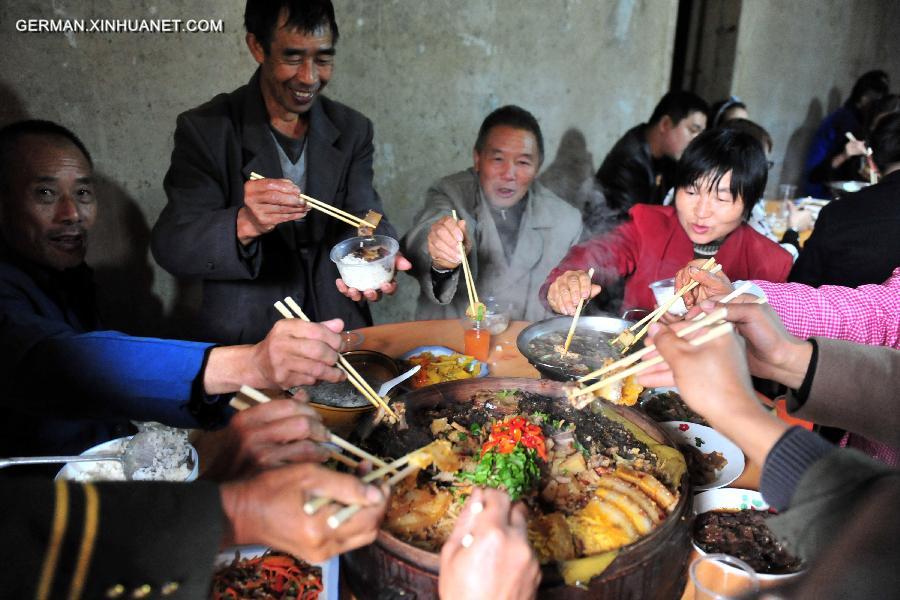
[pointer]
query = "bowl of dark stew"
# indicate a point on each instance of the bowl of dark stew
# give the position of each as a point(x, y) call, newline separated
point(733, 521)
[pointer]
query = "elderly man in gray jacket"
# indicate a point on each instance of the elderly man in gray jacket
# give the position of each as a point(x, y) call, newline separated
point(514, 230)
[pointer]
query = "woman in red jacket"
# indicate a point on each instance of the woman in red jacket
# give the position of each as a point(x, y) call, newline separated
point(716, 175)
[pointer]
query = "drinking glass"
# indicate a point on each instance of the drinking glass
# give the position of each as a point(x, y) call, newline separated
point(722, 577)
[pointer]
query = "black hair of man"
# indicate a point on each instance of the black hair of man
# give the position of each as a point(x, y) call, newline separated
point(717, 111)
point(714, 153)
point(510, 116)
point(12, 133)
point(873, 81)
point(307, 16)
point(885, 142)
point(754, 129)
point(678, 105)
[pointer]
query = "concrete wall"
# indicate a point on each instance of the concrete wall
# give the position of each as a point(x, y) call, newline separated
point(797, 61)
point(426, 73)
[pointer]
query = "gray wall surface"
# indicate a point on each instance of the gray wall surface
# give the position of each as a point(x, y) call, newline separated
point(797, 61)
point(426, 72)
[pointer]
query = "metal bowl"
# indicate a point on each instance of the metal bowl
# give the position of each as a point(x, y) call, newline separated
point(612, 326)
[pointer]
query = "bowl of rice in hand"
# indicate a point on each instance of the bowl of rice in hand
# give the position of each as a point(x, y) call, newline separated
point(340, 404)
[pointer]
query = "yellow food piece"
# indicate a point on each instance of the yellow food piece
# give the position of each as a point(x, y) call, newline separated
point(650, 508)
point(635, 513)
point(572, 464)
point(650, 485)
point(443, 456)
point(414, 509)
point(582, 570)
point(599, 527)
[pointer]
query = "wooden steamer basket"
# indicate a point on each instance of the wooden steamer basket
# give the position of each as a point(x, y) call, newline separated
point(653, 567)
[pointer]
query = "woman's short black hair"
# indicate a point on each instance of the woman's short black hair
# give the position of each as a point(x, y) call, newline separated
point(714, 153)
point(511, 116)
point(885, 141)
point(261, 17)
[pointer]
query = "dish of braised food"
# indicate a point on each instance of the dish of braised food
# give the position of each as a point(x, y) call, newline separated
point(745, 535)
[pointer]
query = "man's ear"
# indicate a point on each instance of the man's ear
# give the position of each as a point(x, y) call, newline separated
point(666, 124)
point(256, 48)
point(476, 160)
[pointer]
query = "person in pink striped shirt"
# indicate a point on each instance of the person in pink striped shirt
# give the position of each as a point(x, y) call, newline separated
point(868, 314)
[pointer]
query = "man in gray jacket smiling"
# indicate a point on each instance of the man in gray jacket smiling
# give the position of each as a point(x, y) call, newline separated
point(514, 229)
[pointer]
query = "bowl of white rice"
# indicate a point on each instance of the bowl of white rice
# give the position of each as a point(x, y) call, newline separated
point(167, 462)
point(366, 263)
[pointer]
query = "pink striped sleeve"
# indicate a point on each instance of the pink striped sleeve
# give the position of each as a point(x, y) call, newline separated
point(869, 314)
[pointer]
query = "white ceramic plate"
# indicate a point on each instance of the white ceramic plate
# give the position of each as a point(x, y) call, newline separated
point(71, 471)
point(443, 351)
point(330, 568)
point(707, 439)
point(735, 499)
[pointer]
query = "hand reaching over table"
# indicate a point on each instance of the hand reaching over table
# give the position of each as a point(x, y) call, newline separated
point(488, 555)
point(268, 510)
point(401, 263)
point(268, 203)
point(569, 288)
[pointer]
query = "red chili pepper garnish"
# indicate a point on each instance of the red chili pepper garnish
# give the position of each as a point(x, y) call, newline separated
point(506, 435)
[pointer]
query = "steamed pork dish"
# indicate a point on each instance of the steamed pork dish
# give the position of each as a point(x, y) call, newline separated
point(586, 353)
point(593, 482)
point(744, 534)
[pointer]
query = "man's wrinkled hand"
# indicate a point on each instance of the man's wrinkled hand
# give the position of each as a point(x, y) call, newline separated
point(568, 289)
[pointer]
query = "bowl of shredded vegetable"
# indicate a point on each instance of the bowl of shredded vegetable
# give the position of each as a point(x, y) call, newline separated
point(258, 572)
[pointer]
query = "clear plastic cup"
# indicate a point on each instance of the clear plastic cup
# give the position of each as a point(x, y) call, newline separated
point(358, 270)
point(496, 318)
point(722, 577)
point(665, 289)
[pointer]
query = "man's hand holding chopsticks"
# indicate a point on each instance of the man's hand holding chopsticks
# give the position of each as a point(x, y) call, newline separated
point(400, 264)
point(267, 203)
point(443, 242)
point(284, 525)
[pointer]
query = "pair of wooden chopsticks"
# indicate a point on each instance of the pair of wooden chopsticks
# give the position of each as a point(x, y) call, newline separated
point(712, 334)
point(577, 314)
point(260, 398)
point(352, 374)
point(330, 210)
point(700, 321)
point(467, 272)
point(338, 518)
point(628, 337)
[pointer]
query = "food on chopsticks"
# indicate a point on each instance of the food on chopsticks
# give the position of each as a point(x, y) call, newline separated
point(587, 351)
point(592, 482)
point(437, 368)
point(272, 576)
point(624, 391)
point(668, 406)
point(745, 535)
point(703, 467)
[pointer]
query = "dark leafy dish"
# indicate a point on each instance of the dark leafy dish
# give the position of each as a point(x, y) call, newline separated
point(703, 467)
point(272, 576)
point(593, 482)
point(744, 534)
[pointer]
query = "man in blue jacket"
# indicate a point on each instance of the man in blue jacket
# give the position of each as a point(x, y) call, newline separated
point(68, 385)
